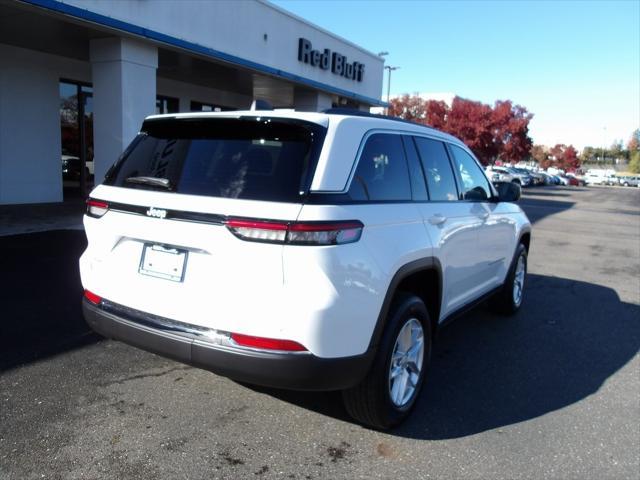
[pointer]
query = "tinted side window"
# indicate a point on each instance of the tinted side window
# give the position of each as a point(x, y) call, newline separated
point(437, 169)
point(474, 183)
point(382, 170)
point(418, 186)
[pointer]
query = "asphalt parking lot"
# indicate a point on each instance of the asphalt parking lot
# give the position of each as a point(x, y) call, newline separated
point(551, 393)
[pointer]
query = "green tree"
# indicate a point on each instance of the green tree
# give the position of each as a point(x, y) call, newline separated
point(588, 155)
point(634, 163)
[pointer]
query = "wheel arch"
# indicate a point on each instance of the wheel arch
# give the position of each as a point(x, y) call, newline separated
point(422, 278)
point(525, 239)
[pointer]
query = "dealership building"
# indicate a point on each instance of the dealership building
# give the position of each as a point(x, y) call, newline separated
point(77, 77)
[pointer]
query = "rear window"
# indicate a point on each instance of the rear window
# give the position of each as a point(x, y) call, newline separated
point(251, 158)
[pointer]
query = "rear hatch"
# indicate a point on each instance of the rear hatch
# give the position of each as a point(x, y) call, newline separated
point(166, 230)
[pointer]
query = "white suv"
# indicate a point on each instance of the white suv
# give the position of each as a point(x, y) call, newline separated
point(316, 251)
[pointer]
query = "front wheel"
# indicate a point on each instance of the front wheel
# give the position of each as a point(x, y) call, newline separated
point(389, 391)
point(509, 299)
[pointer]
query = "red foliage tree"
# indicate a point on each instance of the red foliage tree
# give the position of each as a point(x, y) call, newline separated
point(409, 107)
point(512, 130)
point(499, 132)
point(539, 154)
point(634, 141)
point(473, 123)
point(437, 114)
point(564, 157)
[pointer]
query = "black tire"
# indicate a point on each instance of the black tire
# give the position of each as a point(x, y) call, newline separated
point(504, 301)
point(370, 401)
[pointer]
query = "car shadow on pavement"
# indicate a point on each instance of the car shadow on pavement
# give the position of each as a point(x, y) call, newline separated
point(490, 371)
point(537, 209)
point(40, 297)
point(544, 193)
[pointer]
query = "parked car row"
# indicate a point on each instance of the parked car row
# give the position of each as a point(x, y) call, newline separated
point(599, 177)
point(629, 181)
point(71, 167)
point(526, 178)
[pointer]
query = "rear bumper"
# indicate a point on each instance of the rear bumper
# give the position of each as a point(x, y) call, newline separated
point(295, 371)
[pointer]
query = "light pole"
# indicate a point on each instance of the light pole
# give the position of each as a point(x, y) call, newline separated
point(389, 68)
point(604, 143)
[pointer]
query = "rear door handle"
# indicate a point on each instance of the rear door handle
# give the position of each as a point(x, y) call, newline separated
point(437, 219)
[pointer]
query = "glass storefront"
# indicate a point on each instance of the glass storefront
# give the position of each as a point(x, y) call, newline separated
point(76, 126)
point(167, 104)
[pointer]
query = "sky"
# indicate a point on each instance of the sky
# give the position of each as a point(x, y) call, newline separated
point(574, 64)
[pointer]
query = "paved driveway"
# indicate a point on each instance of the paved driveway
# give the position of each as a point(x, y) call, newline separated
point(551, 393)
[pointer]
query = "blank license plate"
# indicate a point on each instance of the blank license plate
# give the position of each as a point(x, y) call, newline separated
point(163, 262)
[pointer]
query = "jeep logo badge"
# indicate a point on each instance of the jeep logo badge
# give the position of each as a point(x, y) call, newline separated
point(156, 212)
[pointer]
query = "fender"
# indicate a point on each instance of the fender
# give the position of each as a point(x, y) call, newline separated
point(525, 230)
point(426, 263)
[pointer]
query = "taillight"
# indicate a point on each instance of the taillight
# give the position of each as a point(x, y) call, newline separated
point(258, 230)
point(321, 233)
point(296, 233)
point(92, 297)
point(96, 208)
point(267, 343)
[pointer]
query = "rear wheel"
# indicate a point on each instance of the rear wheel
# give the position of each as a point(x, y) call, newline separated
point(389, 391)
point(509, 299)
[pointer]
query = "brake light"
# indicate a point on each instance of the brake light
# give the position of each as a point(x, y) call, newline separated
point(92, 297)
point(96, 208)
point(296, 233)
point(267, 343)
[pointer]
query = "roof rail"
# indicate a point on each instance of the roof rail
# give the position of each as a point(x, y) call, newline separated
point(360, 113)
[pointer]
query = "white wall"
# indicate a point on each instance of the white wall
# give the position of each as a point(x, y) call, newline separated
point(238, 28)
point(30, 163)
point(124, 93)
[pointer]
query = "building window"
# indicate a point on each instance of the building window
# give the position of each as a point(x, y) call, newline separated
point(76, 132)
point(203, 107)
point(167, 104)
point(209, 107)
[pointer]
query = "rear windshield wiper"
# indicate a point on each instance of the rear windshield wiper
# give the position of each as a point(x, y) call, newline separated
point(150, 181)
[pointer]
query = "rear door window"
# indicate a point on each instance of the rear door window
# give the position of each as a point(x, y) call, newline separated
point(437, 168)
point(247, 158)
point(418, 185)
point(381, 174)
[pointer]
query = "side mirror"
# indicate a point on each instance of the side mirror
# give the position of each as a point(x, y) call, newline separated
point(508, 191)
